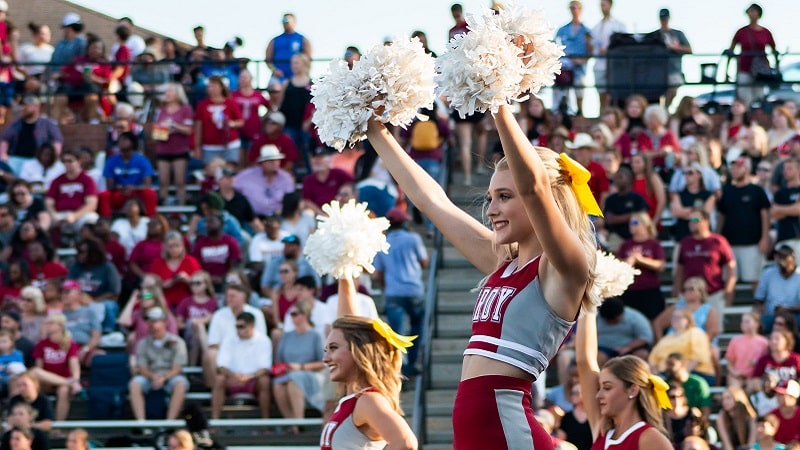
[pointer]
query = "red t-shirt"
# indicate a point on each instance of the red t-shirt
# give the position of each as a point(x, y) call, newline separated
point(116, 254)
point(123, 55)
point(70, 195)
point(788, 428)
point(177, 143)
point(145, 253)
point(178, 291)
point(322, 192)
point(705, 258)
point(753, 43)
point(284, 143)
point(788, 369)
point(54, 358)
point(73, 73)
point(598, 183)
point(217, 256)
point(189, 308)
point(249, 107)
point(48, 271)
point(640, 187)
point(214, 118)
point(9, 297)
point(650, 248)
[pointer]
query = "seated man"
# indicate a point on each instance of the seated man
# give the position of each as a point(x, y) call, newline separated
point(243, 365)
point(21, 139)
point(72, 197)
point(128, 174)
point(160, 358)
point(698, 393)
point(622, 331)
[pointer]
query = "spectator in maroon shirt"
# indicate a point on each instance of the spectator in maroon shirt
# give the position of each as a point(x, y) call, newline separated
point(643, 251)
point(753, 41)
point(217, 252)
point(147, 251)
point(43, 265)
point(249, 100)
point(324, 181)
point(461, 24)
point(272, 133)
point(72, 197)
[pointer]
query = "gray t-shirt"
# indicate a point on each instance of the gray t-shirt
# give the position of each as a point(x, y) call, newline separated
point(81, 322)
point(632, 326)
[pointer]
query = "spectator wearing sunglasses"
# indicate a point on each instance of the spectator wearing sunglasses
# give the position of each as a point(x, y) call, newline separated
point(644, 252)
point(778, 288)
point(693, 195)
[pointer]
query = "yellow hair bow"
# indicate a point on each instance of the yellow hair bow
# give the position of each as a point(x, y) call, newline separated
point(396, 340)
point(580, 184)
point(660, 387)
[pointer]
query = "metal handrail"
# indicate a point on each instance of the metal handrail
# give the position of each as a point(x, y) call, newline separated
point(429, 328)
point(152, 424)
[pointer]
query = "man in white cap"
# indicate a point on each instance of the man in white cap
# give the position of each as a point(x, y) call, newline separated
point(266, 184)
point(582, 147)
point(72, 45)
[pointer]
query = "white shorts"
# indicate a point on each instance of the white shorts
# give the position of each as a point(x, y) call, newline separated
point(749, 262)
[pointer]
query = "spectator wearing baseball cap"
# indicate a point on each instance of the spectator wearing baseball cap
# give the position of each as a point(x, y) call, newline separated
point(71, 46)
point(787, 413)
point(324, 181)
point(272, 134)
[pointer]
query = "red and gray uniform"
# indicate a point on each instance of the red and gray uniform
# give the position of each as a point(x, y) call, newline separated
point(341, 433)
point(511, 323)
point(629, 440)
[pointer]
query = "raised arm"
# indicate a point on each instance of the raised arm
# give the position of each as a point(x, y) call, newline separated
point(469, 236)
point(560, 244)
point(588, 369)
point(347, 298)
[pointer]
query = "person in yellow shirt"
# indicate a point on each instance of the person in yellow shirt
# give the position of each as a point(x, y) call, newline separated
point(688, 340)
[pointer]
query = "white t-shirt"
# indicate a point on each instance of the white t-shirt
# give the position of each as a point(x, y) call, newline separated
point(223, 324)
point(601, 36)
point(29, 53)
point(321, 316)
point(129, 236)
point(262, 248)
point(33, 172)
point(245, 356)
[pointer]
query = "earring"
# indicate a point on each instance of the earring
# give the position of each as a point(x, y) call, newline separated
point(630, 397)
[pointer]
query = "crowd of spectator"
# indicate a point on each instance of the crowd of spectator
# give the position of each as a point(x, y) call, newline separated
point(226, 286)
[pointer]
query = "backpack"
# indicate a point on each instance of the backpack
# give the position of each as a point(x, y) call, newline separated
point(425, 136)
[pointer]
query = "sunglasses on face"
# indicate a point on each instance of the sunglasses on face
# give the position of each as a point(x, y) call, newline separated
point(689, 289)
point(763, 169)
point(690, 172)
point(635, 222)
point(694, 220)
point(240, 326)
point(284, 271)
point(196, 282)
point(294, 313)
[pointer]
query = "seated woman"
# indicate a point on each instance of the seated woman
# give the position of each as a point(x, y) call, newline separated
point(132, 228)
point(745, 350)
point(25, 233)
point(688, 340)
point(779, 360)
point(299, 381)
point(99, 279)
point(28, 206)
point(148, 250)
point(283, 298)
point(134, 315)
point(57, 366)
point(194, 314)
point(33, 312)
point(15, 277)
point(43, 265)
point(21, 417)
point(736, 421)
point(175, 266)
point(783, 130)
point(40, 172)
point(694, 300)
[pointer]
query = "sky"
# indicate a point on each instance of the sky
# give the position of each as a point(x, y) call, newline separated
point(332, 25)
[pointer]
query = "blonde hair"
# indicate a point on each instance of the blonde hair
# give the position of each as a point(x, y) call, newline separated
point(66, 336)
point(172, 236)
point(576, 218)
point(378, 362)
point(82, 436)
point(180, 93)
point(700, 284)
point(688, 315)
point(37, 297)
point(646, 222)
point(184, 439)
point(209, 284)
point(632, 370)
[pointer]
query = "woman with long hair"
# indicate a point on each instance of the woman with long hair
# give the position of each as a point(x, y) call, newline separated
point(784, 128)
point(283, 297)
point(688, 340)
point(175, 266)
point(194, 313)
point(33, 56)
point(218, 118)
point(688, 120)
point(779, 359)
point(744, 350)
point(172, 130)
point(677, 418)
point(295, 219)
point(27, 206)
point(57, 365)
point(623, 400)
point(643, 251)
point(294, 99)
point(736, 421)
point(32, 312)
point(705, 317)
point(365, 358)
point(20, 438)
point(300, 355)
point(694, 195)
point(540, 252)
point(648, 184)
point(731, 130)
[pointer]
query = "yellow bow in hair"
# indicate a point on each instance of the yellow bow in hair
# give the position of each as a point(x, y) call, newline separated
point(396, 340)
point(580, 184)
point(660, 387)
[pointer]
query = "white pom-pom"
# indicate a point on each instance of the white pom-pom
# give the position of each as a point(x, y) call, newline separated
point(612, 275)
point(406, 74)
point(346, 240)
point(505, 55)
point(395, 80)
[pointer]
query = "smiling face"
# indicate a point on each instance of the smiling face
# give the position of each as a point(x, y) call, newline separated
point(339, 358)
point(506, 211)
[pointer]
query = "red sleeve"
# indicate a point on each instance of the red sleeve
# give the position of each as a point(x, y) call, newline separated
point(73, 351)
point(264, 101)
point(771, 39)
point(737, 38)
point(309, 111)
point(234, 109)
point(182, 309)
point(236, 251)
point(123, 54)
point(255, 149)
point(190, 265)
point(761, 365)
point(289, 149)
point(52, 192)
point(199, 112)
point(645, 144)
point(38, 350)
point(725, 249)
point(159, 268)
point(91, 187)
